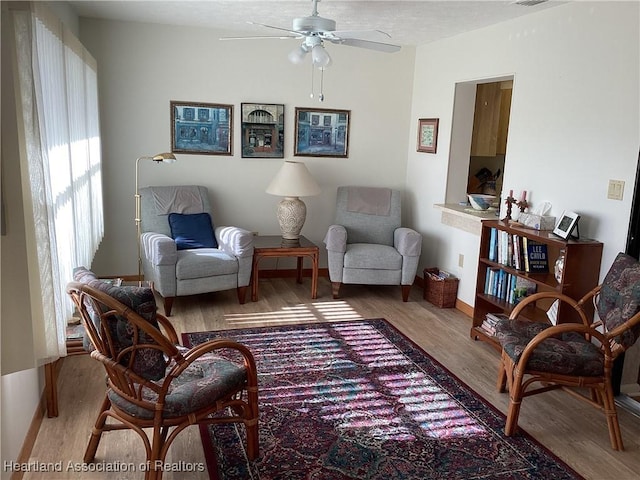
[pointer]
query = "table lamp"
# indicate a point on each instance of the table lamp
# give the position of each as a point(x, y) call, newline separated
point(293, 180)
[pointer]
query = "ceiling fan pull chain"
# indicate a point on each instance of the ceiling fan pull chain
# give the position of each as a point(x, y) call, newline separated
point(321, 97)
point(311, 94)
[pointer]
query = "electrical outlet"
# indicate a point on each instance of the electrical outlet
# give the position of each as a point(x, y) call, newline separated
point(616, 189)
point(460, 260)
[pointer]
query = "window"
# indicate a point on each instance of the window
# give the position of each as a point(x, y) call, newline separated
point(58, 88)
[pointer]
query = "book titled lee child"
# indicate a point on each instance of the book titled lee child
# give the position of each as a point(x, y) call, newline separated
point(538, 258)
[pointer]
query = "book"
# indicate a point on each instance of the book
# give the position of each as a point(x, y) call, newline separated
point(490, 321)
point(523, 288)
point(493, 244)
point(493, 281)
point(538, 258)
point(517, 252)
point(525, 254)
point(493, 318)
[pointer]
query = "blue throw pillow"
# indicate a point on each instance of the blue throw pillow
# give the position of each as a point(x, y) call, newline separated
point(192, 230)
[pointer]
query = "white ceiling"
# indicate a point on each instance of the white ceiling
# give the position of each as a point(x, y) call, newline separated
point(408, 22)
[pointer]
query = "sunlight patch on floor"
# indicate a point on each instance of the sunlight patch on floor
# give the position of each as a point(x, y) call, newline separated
point(330, 311)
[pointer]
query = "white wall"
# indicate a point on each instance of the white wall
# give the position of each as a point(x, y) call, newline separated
point(20, 399)
point(143, 67)
point(574, 121)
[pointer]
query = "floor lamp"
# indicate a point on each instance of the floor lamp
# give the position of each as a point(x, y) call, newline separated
point(166, 157)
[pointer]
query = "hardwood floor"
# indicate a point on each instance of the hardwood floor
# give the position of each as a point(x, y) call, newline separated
point(572, 430)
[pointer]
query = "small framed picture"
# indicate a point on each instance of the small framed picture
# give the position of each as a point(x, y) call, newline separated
point(321, 132)
point(428, 135)
point(568, 221)
point(262, 130)
point(201, 128)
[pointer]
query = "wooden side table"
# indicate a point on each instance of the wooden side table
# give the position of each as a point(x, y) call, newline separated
point(276, 246)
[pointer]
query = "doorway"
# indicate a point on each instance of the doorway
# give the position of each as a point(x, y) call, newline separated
point(479, 133)
point(489, 137)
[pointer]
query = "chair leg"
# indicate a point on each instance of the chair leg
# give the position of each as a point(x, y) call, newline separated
point(502, 378)
point(611, 413)
point(253, 441)
point(168, 304)
point(406, 289)
point(514, 384)
point(51, 387)
point(335, 289)
point(96, 433)
point(242, 294)
point(157, 454)
point(512, 415)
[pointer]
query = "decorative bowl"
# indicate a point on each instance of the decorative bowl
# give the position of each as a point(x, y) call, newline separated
point(480, 201)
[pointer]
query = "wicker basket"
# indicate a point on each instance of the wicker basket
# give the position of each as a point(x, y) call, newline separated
point(442, 292)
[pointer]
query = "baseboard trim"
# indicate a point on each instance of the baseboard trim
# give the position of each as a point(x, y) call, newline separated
point(464, 308)
point(36, 422)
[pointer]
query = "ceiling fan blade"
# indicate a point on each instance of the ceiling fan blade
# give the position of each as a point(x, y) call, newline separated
point(356, 42)
point(283, 37)
point(297, 34)
point(371, 35)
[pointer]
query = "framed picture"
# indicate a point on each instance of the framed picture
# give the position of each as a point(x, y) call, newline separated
point(322, 132)
point(262, 130)
point(428, 135)
point(201, 128)
point(568, 221)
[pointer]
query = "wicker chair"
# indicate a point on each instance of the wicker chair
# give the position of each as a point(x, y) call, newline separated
point(573, 355)
point(153, 383)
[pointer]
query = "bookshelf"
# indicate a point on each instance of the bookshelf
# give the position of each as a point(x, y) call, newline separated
point(580, 274)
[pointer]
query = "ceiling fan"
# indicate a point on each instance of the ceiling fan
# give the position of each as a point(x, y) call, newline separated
point(315, 30)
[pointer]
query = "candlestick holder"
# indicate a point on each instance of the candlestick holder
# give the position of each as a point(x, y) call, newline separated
point(522, 204)
point(509, 201)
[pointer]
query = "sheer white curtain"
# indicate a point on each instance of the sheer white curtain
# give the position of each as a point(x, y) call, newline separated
point(61, 144)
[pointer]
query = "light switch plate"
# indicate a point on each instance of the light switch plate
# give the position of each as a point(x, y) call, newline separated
point(616, 189)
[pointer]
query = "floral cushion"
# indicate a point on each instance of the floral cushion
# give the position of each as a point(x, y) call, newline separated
point(149, 363)
point(567, 354)
point(619, 298)
point(206, 380)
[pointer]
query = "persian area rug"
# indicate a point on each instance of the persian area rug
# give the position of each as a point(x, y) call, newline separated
point(359, 400)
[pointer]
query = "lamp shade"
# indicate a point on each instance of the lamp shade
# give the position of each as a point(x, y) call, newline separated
point(297, 55)
point(293, 180)
point(320, 56)
point(166, 157)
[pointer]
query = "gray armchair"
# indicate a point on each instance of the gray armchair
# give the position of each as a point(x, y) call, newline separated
point(191, 265)
point(367, 245)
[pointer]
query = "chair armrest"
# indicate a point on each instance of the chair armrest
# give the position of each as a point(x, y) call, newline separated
point(159, 249)
point(336, 239)
point(515, 313)
point(407, 241)
point(167, 327)
point(211, 346)
point(235, 241)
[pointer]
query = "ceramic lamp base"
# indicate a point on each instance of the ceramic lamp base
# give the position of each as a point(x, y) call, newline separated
point(292, 213)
